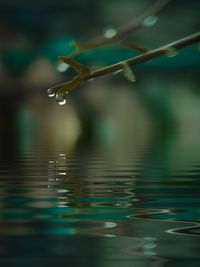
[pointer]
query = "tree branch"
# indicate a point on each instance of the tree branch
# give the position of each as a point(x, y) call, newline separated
point(163, 50)
point(170, 49)
point(122, 31)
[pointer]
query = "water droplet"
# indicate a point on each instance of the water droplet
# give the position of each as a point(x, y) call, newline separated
point(60, 99)
point(110, 32)
point(51, 92)
point(150, 21)
point(62, 102)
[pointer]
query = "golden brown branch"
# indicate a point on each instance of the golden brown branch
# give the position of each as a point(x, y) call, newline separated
point(61, 90)
point(164, 50)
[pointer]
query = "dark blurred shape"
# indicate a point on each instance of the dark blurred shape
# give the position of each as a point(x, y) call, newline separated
point(40, 18)
point(33, 34)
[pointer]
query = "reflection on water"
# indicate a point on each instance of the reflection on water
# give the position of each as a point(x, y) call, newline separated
point(96, 209)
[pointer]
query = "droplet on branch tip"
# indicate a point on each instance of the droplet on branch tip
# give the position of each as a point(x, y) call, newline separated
point(51, 92)
point(60, 98)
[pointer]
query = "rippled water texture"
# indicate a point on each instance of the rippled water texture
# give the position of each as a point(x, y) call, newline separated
point(95, 209)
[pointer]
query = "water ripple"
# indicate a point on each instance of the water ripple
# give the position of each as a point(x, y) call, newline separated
point(93, 195)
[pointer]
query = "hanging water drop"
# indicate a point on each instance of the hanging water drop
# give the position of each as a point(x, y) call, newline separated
point(51, 92)
point(60, 99)
point(62, 102)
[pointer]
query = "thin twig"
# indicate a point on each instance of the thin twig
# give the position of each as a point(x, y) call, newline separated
point(138, 22)
point(122, 31)
point(169, 49)
point(163, 50)
point(132, 46)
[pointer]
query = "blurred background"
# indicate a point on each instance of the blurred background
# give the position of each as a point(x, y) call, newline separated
point(160, 109)
point(119, 159)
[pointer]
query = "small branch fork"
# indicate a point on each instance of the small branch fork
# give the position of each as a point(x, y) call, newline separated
point(122, 32)
point(85, 73)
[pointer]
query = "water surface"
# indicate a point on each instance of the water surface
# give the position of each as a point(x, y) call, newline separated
point(91, 208)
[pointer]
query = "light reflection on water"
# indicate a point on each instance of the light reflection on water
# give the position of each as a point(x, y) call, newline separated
point(77, 205)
